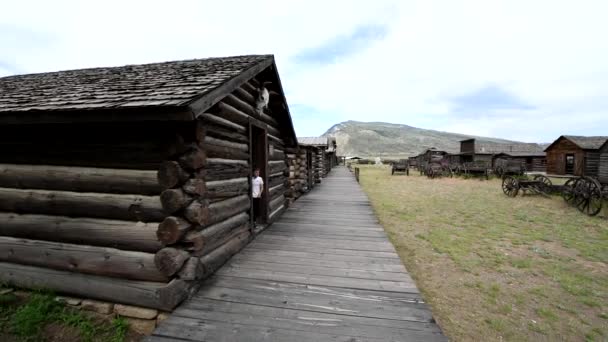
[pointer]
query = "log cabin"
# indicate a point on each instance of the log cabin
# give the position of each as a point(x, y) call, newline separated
point(603, 167)
point(575, 155)
point(130, 184)
point(318, 155)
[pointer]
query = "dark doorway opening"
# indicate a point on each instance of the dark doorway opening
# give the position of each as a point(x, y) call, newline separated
point(569, 164)
point(259, 160)
point(309, 168)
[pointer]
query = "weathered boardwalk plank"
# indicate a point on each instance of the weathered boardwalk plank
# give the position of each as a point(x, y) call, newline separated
point(324, 272)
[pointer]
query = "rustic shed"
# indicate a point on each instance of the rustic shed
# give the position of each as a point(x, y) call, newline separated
point(130, 183)
point(574, 155)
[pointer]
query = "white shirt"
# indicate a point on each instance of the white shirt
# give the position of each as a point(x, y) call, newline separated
point(257, 183)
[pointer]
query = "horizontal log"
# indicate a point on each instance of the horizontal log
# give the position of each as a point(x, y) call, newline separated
point(83, 204)
point(170, 260)
point(79, 179)
point(275, 203)
point(224, 152)
point(192, 270)
point(198, 211)
point(203, 241)
point(241, 105)
point(214, 260)
point(276, 214)
point(103, 261)
point(220, 132)
point(230, 113)
point(214, 119)
point(244, 96)
point(170, 174)
point(277, 166)
point(194, 158)
point(274, 181)
point(227, 188)
point(220, 169)
point(277, 155)
point(173, 200)
point(195, 187)
point(135, 156)
point(224, 143)
point(155, 295)
point(273, 191)
point(172, 229)
point(250, 88)
point(134, 236)
point(219, 211)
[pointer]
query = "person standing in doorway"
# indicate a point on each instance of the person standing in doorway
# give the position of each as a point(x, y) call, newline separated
point(257, 187)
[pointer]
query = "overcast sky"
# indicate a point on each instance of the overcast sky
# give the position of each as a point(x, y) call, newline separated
point(524, 70)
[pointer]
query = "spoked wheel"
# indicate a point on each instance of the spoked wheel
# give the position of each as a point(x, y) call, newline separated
point(446, 172)
point(568, 193)
point(546, 183)
point(590, 199)
point(510, 186)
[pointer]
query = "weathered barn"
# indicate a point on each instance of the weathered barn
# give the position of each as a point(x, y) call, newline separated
point(317, 152)
point(574, 155)
point(129, 183)
point(530, 154)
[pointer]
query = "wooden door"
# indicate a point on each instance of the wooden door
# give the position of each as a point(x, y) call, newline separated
point(569, 163)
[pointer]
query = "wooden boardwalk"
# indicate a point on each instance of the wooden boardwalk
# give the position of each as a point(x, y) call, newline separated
point(324, 272)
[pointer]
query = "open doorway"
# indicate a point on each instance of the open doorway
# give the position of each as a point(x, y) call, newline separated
point(309, 168)
point(569, 164)
point(259, 160)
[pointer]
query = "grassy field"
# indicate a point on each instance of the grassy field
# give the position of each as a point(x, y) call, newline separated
point(493, 267)
point(39, 317)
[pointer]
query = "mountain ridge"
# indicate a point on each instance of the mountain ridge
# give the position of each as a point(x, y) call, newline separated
point(383, 139)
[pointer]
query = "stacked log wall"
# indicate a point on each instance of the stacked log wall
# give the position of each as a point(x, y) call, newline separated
point(298, 174)
point(88, 210)
point(142, 209)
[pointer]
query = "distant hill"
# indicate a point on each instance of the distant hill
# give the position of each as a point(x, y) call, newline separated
point(380, 139)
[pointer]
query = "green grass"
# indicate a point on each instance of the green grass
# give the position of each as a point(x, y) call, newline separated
point(480, 256)
point(26, 320)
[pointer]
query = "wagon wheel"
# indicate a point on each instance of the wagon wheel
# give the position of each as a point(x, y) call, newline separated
point(510, 186)
point(590, 201)
point(546, 183)
point(568, 193)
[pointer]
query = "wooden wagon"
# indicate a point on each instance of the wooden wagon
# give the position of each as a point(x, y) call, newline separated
point(401, 166)
point(477, 168)
point(507, 166)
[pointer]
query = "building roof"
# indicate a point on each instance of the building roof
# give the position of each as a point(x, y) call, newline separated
point(312, 141)
point(157, 84)
point(587, 143)
point(524, 154)
point(493, 148)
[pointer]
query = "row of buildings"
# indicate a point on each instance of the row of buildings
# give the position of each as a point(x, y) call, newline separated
point(567, 155)
point(130, 184)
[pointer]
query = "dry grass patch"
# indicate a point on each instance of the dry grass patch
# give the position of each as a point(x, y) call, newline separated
point(493, 267)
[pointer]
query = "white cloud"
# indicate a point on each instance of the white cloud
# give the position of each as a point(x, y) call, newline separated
point(550, 54)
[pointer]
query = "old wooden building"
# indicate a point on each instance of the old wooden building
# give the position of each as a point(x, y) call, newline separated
point(574, 155)
point(316, 148)
point(128, 184)
point(531, 161)
point(529, 154)
point(603, 167)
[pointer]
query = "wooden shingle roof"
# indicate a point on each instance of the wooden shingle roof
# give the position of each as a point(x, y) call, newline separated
point(312, 141)
point(587, 143)
point(169, 84)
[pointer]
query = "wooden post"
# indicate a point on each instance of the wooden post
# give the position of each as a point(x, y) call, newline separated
point(357, 174)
